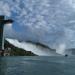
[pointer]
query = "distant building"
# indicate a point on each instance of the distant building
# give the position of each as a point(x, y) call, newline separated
point(7, 51)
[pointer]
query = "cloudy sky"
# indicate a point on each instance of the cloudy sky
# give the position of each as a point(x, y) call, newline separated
point(51, 22)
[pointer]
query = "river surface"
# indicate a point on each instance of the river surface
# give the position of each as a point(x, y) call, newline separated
point(37, 65)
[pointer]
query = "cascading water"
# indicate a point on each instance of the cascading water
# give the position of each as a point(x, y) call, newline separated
point(37, 49)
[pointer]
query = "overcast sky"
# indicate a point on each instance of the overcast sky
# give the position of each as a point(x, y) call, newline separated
point(51, 22)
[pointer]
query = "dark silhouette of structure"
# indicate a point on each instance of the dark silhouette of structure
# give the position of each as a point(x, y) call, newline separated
point(2, 23)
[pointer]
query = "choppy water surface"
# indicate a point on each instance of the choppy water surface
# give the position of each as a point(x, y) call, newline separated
point(37, 65)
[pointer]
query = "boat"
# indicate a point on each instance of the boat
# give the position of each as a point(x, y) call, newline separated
point(66, 55)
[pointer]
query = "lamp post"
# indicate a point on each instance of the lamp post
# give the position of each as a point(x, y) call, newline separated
point(2, 23)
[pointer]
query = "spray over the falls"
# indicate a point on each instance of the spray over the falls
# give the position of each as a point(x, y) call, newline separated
point(37, 49)
point(47, 21)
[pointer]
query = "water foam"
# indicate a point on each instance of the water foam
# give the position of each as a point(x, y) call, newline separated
point(39, 50)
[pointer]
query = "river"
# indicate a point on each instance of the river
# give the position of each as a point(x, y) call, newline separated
point(37, 65)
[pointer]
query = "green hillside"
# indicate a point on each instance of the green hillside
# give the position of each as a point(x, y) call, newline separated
point(15, 51)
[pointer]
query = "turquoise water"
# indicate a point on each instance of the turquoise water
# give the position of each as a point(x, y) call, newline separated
point(37, 65)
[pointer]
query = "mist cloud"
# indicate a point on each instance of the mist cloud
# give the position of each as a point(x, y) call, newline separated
point(47, 21)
